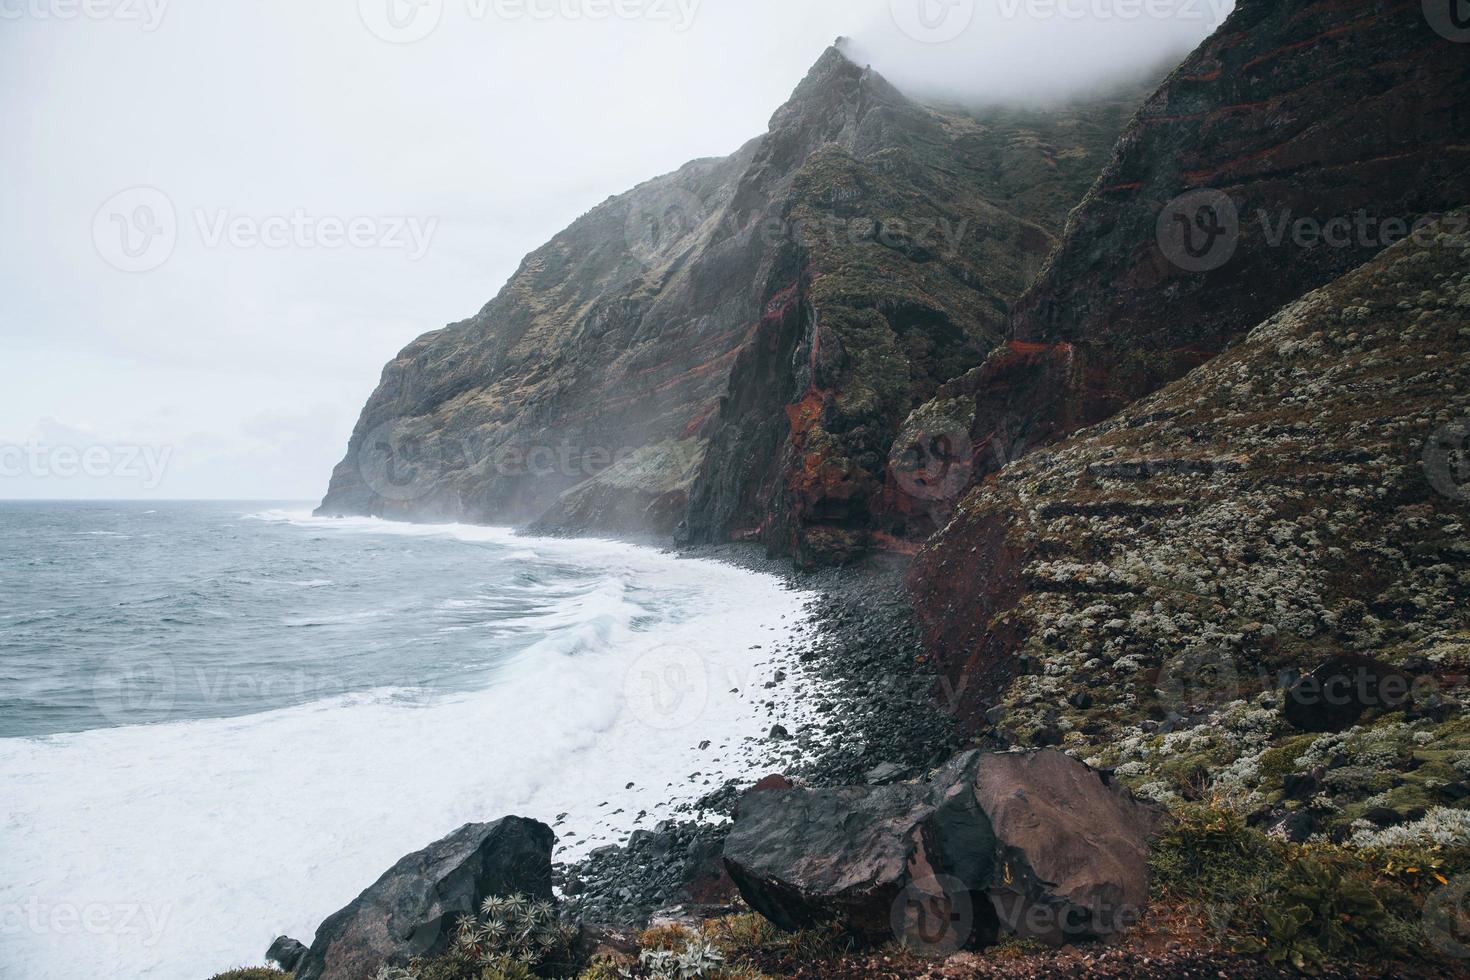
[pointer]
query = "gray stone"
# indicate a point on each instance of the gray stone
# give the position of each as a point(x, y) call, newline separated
point(412, 909)
point(1033, 844)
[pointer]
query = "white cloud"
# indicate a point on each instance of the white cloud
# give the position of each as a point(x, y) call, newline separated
point(501, 130)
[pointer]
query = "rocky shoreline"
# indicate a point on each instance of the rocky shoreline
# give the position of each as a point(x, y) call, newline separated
point(882, 719)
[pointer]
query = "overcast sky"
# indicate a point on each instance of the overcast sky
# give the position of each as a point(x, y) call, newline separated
point(219, 218)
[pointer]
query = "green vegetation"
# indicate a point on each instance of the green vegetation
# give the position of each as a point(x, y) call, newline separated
point(513, 938)
point(1302, 904)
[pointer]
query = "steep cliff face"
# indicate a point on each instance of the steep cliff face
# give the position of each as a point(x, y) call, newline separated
point(1143, 592)
point(1300, 139)
point(730, 350)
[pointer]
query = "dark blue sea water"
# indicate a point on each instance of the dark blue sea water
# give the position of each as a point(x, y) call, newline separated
point(219, 722)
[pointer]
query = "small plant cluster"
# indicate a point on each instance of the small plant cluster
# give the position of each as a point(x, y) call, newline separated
point(513, 938)
point(1299, 904)
point(698, 959)
point(737, 947)
point(516, 928)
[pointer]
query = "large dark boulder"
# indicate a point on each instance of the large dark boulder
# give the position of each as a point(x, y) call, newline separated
point(1032, 843)
point(412, 910)
point(1335, 696)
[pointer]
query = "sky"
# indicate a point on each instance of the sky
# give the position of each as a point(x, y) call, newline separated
point(220, 218)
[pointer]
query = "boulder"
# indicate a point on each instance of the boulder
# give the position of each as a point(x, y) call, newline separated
point(1072, 858)
point(1335, 696)
point(285, 952)
point(412, 910)
point(1033, 844)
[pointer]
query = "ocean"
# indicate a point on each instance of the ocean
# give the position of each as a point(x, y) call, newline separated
point(221, 721)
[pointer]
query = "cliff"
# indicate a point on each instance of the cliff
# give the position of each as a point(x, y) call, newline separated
point(1150, 593)
point(730, 350)
point(1300, 139)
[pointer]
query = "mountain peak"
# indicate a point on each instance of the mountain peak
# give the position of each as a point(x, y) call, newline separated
point(834, 86)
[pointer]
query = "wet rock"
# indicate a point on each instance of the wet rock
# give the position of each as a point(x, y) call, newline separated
point(885, 773)
point(412, 909)
point(286, 953)
point(1029, 843)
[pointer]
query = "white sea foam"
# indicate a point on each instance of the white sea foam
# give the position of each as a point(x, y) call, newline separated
point(183, 849)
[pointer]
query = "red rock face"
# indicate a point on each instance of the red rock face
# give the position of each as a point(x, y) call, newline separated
point(1323, 129)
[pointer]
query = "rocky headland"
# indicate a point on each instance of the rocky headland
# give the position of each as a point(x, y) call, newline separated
point(1127, 445)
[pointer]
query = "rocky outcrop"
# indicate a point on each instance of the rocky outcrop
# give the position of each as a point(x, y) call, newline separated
point(411, 911)
point(769, 318)
point(286, 953)
point(1299, 140)
point(1030, 844)
point(1149, 593)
